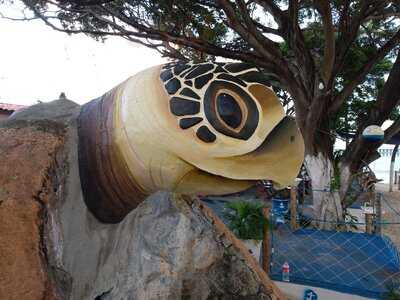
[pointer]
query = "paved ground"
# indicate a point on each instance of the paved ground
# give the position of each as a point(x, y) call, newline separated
point(390, 213)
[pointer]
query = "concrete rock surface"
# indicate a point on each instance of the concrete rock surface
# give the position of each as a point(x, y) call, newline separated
point(51, 246)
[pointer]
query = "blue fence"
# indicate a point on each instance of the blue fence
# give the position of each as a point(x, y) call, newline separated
point(356, 263)
point(345, 259)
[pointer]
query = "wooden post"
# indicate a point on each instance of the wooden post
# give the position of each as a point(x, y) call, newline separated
point(293, 207)
point(368, 223)
point(249, 259)
point(378, 213)
point(266, 246)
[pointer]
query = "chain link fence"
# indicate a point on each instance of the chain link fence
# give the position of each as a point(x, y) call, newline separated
point(358, 256)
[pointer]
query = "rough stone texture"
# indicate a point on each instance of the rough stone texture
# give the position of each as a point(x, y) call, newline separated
point(164, 249)
point(27, 155)
point(167, 248)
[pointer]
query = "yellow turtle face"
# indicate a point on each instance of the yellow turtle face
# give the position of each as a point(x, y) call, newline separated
point(210, 128)
point(228, 106)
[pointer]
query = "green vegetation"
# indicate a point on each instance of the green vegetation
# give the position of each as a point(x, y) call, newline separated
point(392, 292)
point(246, 220)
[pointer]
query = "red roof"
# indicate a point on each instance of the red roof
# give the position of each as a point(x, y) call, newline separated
point(11, 107)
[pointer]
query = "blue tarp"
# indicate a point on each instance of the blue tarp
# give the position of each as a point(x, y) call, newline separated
point(355, 263)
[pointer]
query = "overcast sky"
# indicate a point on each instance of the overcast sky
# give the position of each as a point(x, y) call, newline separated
point(37, 63)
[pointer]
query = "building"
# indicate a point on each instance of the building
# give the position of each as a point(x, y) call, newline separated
point(7, 109)
point(381, 166)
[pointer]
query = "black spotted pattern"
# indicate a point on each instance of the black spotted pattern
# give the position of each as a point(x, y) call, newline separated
point(188, 70)
point(168, 65)
point(166, 75)
point(173, 86)
point(201, 69)
point(198, 76)
point(186, 123)
point(179, 68)
point(219, 69)
point(201, 81)
point(190, 93)
point(232, 78)
point(189, 82)
point(183, 107)
point(255, 76)
point(204, 134)
point(237, 67)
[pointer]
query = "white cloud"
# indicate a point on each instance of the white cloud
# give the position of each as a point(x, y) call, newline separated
point(37, 63)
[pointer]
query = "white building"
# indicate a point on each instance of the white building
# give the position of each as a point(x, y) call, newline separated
point(381, 166)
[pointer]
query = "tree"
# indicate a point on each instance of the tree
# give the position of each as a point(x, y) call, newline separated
point(329, 56)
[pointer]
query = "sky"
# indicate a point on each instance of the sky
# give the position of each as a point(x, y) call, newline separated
point(38, 63)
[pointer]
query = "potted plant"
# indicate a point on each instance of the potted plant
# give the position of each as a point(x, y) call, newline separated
point(247, 222)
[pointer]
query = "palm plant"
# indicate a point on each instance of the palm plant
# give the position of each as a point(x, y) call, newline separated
point(246, 219)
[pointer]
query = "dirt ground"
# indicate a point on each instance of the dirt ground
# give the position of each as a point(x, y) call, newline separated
point(390, 212)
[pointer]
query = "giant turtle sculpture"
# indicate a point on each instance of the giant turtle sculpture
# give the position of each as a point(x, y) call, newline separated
point(209, 128)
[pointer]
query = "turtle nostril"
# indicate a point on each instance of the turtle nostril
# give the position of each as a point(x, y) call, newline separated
point(229, 110)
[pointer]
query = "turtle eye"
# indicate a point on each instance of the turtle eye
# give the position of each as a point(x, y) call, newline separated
point(229, 110)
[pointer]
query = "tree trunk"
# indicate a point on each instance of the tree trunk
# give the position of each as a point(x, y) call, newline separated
point(392, 161)
point(319, 160)
point(345, 179)
point(326, 202)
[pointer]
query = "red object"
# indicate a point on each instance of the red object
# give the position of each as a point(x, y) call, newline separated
point(285, 268)
point(10, 107)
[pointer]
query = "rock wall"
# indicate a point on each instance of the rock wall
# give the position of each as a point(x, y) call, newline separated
point(51, 247)
point(27, 155)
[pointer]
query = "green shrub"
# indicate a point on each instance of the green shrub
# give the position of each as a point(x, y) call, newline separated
point(392, 291)
point(246, 220)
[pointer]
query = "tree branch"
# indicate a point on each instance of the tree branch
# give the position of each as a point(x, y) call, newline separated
point(266, 29)
point(266, 48)
point(278, 15)
point(324, 9)
point(296, 41)
point(388, 99)
point(363, 72)
point(144, 32)
point(392, 130)
point(348, 31)
point(261, 44)
point(389, 96)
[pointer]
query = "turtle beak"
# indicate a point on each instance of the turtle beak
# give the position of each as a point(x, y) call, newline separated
point(278, 158)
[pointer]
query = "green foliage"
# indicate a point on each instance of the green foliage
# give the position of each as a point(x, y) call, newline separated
point(393, 292)
point(246, 219)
